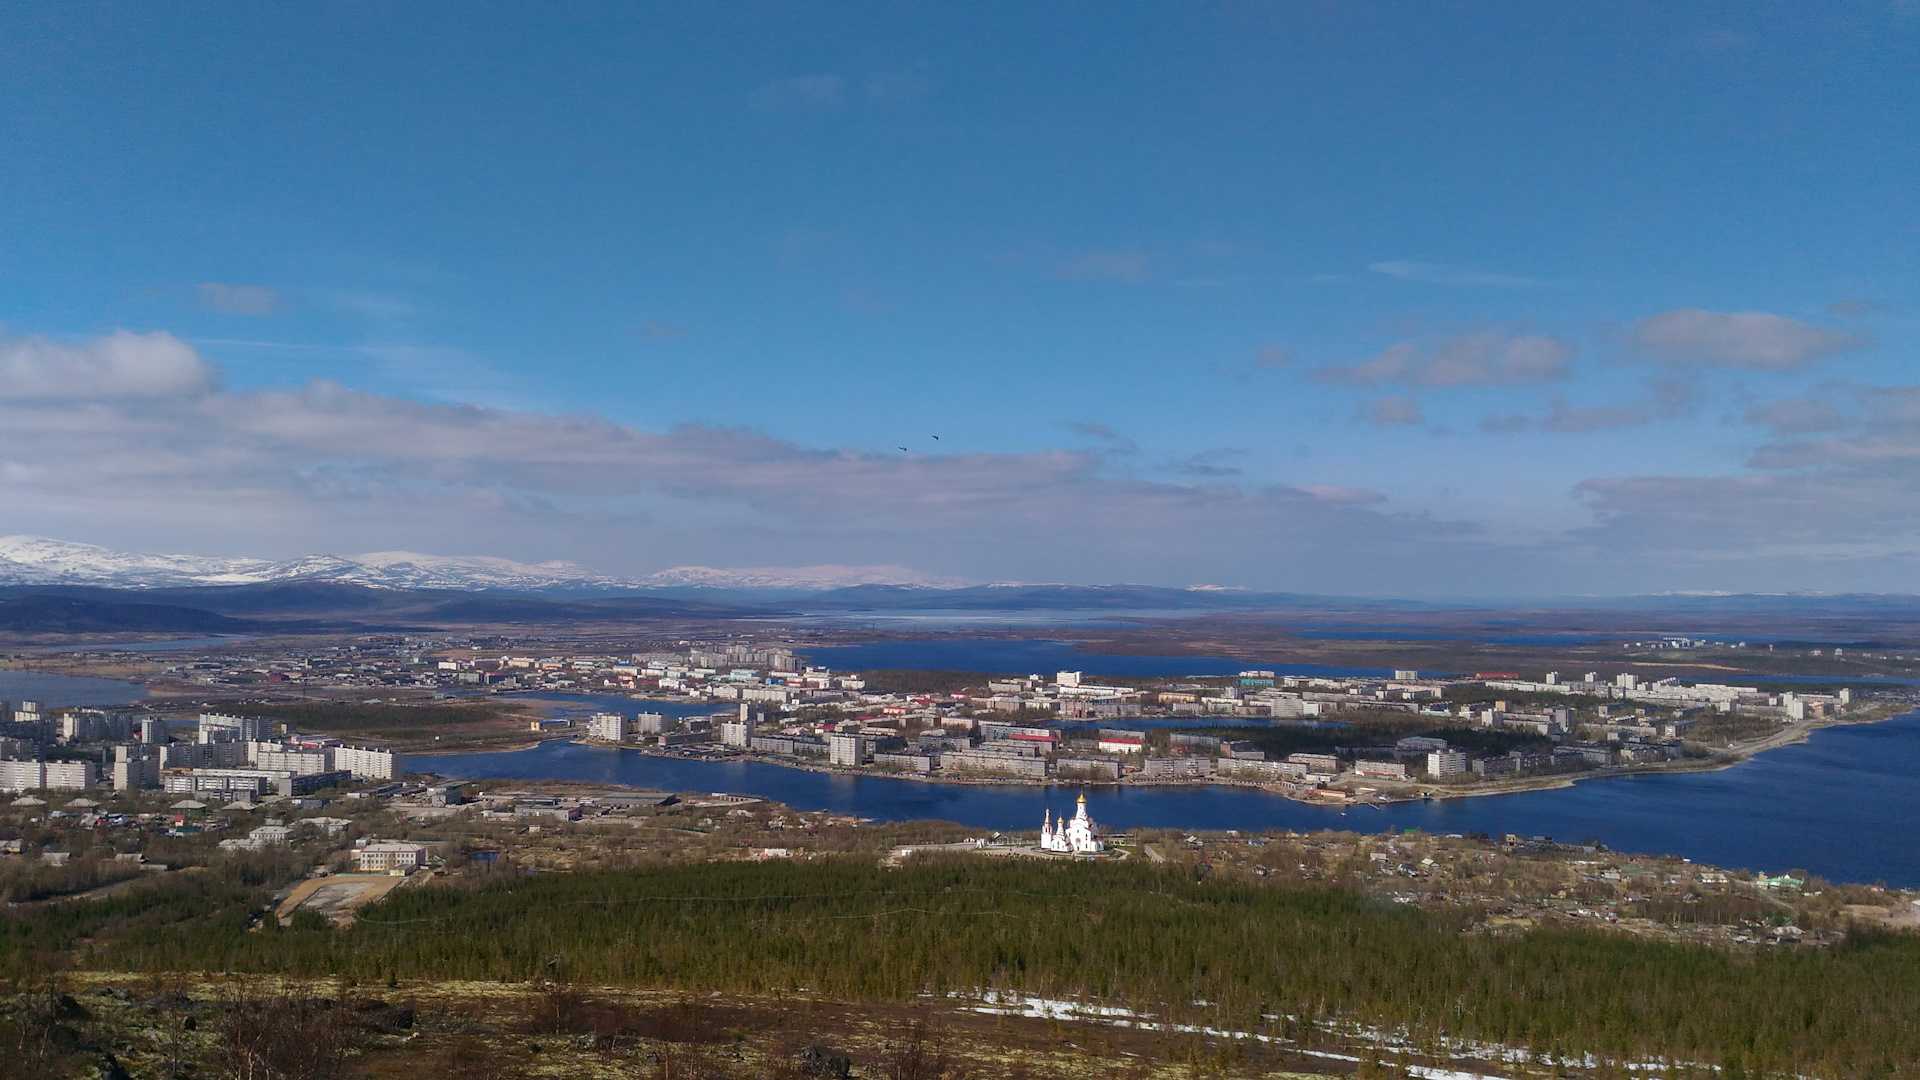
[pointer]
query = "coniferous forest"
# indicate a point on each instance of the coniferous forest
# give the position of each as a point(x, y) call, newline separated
point(1240, 957)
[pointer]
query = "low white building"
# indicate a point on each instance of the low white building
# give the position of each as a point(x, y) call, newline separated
point(389, 856)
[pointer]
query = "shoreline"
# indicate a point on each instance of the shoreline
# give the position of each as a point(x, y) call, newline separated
point(1727, 759)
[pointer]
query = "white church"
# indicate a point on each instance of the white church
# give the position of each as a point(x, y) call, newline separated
point(1077, 837)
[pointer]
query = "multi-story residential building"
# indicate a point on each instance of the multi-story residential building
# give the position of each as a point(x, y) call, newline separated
point(253, 781)
point(135, 767)
point(93, 725)
point(608, 727)
point(846, 748)
point(653, 723)
point(1260, 770)
point(1177, 768)
point(224, 727)
point(203, 755)
point(794, 745)
point(17, 775)
point(1324, 764)
point(905, 762)
point(365, 762)
point(278, 758)
point(1086, 768)
point(991, 764)
point(1445, 763)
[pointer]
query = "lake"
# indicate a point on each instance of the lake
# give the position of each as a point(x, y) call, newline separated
point(159, 645)
point(1040, 656)
point(66, 690)
point(1840, 805)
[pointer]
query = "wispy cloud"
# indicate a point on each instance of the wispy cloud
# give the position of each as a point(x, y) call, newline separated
point(378, 307)
point(661, 330)
point(1272, 357)
point(1130, 267)
point(1397, 410)
point(822, 90)
point(230, 299)
point(1215, 464)
point(1752, 340)
point(1486, 358)
point(1116, 443)
point(1664, 399)
point(1432, 273)
point(899, 86)
point(1802, 415)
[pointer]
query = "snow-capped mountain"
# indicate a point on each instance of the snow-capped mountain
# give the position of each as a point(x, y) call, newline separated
point(795, 577)
point(37, 560)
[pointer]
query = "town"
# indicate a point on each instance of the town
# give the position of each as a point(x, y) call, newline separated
point(1343, 739)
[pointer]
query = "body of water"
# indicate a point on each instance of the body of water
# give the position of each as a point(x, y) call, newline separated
point(1840, 805)
point(579, 705)
point(158, 645)
point(66, 690)
point(1044, 657)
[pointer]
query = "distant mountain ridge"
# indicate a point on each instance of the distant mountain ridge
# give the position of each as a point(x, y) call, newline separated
point(240, 586)
point(37, 560)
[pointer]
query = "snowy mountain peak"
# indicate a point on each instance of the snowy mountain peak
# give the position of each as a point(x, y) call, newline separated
point(37, 560)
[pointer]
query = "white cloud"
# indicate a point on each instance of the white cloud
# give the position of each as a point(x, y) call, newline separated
point(1754, 340)
point(122, 364)
point(325, 466)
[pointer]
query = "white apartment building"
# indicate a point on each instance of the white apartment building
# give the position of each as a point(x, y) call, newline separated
point(89, 725)
point(608, 727)
point(366, 763)
point(16, 775)
point(225, 727)
point(653, 723)
point(288, 759)
point(844, 748)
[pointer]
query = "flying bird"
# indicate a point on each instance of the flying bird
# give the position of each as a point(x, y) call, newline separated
point(902, 449)
point(936, 438)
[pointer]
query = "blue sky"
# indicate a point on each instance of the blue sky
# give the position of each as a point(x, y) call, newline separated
point(1414, 298)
